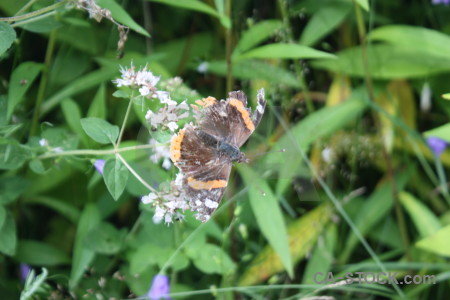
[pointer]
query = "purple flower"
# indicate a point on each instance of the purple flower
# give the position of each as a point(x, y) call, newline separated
point(160, 288)
point(99, 164)
point(24, 270)
point(437, 145)
point(435, 2)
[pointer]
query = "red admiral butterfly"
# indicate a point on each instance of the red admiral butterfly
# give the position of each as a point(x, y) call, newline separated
point(204, 153)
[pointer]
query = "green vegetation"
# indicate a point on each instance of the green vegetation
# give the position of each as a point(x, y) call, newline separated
point(348, 169)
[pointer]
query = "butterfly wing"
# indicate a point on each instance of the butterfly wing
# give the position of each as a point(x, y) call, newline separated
point(231, 120)
point(205, 172)
point(204, 194)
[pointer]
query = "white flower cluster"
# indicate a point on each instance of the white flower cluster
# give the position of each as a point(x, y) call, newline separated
point(168, 115)
point(144, 80)
point(169, 206)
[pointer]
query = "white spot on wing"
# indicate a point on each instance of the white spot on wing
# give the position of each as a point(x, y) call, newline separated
point(260, 108)
point(211, 204)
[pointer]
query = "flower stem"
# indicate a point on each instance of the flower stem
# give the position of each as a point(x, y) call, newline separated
point(229, 47)
point(25, 7)
point(95, 152)
point(34, 13)
point(124, 123)
point(43, 83)
point(27, 21)
point(138, 177)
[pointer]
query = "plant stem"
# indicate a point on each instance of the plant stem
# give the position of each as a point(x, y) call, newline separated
point(397, 206)
point(442, 178)
point(43, 83)
point(125, 119)
point(362, 38)
point(95, 152)
point(390, 169)
point(34, 13)
point(25, 7)
point(229, 46)
point(138, 177)
point(31, 20)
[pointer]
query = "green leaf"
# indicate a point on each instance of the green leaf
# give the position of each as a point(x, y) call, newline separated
point(60, 137)
point(386, 62)
point(33, 284)
point(257, 34)
point(12, 154)
point(62, 207)
point(424, 219)
point(438, 243)
point(3, 109)
point(8, 235)
point(387, 234)
point(317, 125)
point(197, 6)
point(213, 260)
point(426, 41)
point(37, 166)
point(72, 114)
point(44, 25)
point(322, 256)
point(40, 254)
point(308, 227)
point(170, 54)
point(325, 20)
point(268, 215)
point(100, 130)
point(53, 178)
point(364, 4)
point(285, 51)
point(21, 80)
point(87, 41)
point(375, 209)
point(83, 256)
point(150, 255)
point(122, 16)
point(446, 96)
point(80, 85)
point(442, 132)
point(98, 106)
point(255, 69)
point(7, 130)
point(104, 238)
point(3, 213)
point(7, 37)
point(11, 187)
point(115, 174)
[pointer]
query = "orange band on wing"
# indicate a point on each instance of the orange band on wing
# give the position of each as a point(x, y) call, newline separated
point(206, 185)
point(175, 146)
point(244, 113)
point(205, 102)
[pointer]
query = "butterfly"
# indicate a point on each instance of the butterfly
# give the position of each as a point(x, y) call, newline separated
point(204, 152)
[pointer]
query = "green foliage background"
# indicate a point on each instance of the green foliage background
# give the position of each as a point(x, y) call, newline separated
point(345, 182)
